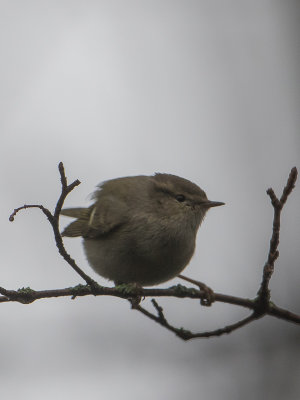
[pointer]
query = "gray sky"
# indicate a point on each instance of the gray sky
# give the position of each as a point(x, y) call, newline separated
point(205, 90)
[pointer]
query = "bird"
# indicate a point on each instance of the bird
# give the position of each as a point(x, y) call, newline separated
point(140, 229)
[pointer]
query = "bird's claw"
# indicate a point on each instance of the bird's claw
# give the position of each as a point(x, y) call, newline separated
point(208, 294)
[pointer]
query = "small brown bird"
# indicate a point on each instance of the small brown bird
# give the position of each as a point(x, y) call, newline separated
point(141, 229)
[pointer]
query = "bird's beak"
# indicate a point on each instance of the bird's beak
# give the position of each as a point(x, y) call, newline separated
point(209, 204)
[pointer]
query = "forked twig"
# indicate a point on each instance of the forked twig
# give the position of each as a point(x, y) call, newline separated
point(263, 299)
point(54, 221)
point(186, 334)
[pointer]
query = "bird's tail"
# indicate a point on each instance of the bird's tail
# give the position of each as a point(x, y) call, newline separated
point(78, 227)
point(78, 212)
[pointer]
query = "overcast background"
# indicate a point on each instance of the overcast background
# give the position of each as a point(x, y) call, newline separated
point(208, 90)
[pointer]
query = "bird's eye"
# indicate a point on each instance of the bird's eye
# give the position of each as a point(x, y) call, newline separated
point(180, 197)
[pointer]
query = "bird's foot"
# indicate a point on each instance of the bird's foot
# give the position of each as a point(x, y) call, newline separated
point(132, 289)
point(208, 294)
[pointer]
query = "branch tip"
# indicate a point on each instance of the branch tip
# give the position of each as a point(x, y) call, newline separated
point(289, 185)
point(62, 173)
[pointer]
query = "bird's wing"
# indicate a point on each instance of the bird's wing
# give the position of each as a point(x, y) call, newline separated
point(100, 219)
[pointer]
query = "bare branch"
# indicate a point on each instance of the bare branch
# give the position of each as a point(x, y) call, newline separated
point(260, 306)
point(289, 186)
point(263, 298)
point(29, 295)
point(44, 210)
point(54, 221)
point(281, 313)
point(65, 190)
point(186, 334)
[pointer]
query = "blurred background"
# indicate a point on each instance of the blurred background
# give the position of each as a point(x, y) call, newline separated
point(205, 90)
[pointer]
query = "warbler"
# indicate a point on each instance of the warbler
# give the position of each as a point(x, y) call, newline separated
point(140, 229)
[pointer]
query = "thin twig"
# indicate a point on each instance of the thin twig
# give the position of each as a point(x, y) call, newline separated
point(263, 299)
point(54, 221)
point(44, 210)
point(186, 334)
point(65, 190)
